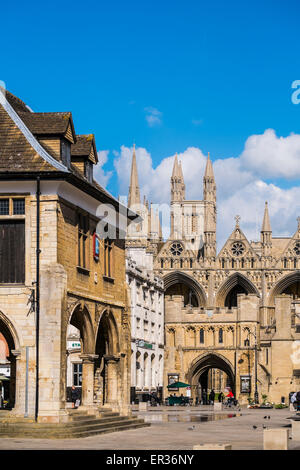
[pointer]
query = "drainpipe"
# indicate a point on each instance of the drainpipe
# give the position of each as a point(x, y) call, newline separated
point(37, 284)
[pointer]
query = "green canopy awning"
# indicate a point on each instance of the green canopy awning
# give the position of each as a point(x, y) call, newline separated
point(3, 378)
point(178, 385)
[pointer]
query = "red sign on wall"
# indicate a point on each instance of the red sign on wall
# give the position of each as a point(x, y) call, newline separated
point(96, 246)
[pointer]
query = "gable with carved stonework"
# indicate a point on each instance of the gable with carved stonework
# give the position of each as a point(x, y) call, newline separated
point(237, 247)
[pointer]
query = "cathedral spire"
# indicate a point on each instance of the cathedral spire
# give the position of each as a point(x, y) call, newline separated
point(209, 185)
point(180, 171)
point(209, 172)
point(266, 233)
point(175, 172)
point(210, 210)
point(266, 226)
point(134, 190)
point(177, 182)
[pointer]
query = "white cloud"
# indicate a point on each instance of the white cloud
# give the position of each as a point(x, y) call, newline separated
point(100, 175)
point(241, 188)
point(270, 156)
point(153, 116)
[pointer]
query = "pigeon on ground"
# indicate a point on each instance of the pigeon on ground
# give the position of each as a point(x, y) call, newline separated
point(192, 428)
point(265, 417)
point(264, 427)
point(254, 427)
point(269, 417)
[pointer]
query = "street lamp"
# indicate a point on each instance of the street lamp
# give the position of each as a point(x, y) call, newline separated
point(255, 347)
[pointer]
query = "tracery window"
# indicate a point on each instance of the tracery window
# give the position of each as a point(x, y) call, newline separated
point(237, 249)
point(297, 248)
point(176, 249)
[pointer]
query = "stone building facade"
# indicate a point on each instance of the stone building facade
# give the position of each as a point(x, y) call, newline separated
point(147, 329)
point(56, 272)
point(146, 295)
point(232, 314)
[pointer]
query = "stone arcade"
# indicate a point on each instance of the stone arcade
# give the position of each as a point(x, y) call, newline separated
point(48, 196)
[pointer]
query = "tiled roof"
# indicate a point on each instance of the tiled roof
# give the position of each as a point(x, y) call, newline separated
point(83, 147)
point(17, 104)
point(46, 123)
point(19, 150)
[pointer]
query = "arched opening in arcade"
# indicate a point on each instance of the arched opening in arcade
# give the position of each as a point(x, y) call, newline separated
point(236, 284)
point(7, 367)
point(181, 287)
point(293, 290)
point(289, 285)
point(80, 357)
point(231, 297)
point(208, 373)
point(107, 361)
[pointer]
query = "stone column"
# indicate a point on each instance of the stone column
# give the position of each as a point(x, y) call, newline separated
point(15, 375)
point(112, 379)
point(87, 398)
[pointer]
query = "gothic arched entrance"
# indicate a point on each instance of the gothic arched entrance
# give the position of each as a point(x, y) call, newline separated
point(8, 365)
point(106, 369)
point(209, 371)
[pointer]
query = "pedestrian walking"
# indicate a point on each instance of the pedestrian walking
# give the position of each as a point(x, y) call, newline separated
point(75, 395)
point(221, 397)
point(212, 397)
point(230, 398)
point(298, 401)
point(294, 400)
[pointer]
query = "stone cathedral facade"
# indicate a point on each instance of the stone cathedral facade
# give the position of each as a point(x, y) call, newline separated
point(232, 318)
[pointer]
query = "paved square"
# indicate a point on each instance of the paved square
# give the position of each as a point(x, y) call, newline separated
point(176, 429)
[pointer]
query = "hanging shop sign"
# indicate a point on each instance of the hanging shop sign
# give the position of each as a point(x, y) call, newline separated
point(142, 344)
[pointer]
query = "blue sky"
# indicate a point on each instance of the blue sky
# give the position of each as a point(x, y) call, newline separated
point(167, 75)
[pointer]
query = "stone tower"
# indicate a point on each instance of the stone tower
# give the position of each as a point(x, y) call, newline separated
point(210, 198)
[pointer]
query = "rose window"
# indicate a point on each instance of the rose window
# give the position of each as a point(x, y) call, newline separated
point(237, 249)
point(176, 249)
point(297, 248)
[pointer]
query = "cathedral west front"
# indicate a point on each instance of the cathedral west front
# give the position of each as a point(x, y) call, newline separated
point(232, 318)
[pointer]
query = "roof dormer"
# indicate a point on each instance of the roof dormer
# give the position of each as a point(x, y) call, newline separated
point(54, 131)
point(84, 155)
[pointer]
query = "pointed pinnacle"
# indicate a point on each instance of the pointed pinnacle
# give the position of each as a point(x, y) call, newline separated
point(175, 167)
point(266, 226)
point(209, 172)
point(180, 170)
point(134, 190)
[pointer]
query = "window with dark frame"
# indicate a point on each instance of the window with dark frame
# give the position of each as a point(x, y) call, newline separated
point(108, 258)
point(4, 206)
point(18, 206)
point(220, 335)
point(83, 228)
point(77, 374)
point(12, 241)
point(12, 251)
point(201, 336)
point(66, 153)
point(88, 171)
